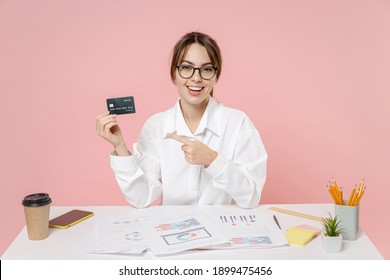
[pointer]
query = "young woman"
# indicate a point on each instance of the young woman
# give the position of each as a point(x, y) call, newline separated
point(197, 152)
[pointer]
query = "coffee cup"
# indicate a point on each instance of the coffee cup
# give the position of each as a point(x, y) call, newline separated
point(36, 212)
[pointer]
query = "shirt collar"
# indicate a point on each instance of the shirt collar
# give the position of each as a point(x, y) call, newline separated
point(175, 122)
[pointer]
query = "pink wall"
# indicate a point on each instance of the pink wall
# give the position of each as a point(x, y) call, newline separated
point(312, 75)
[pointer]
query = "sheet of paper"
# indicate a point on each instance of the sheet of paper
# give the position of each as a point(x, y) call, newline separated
point(90, 245)
point(119, 235)
point(167, 234)
point(249, 230)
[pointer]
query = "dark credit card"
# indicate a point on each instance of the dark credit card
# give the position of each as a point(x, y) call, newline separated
point(121, 105)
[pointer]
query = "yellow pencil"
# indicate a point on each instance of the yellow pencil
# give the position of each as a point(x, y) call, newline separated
point(339, 193)
point(360, 184)
point(359, 197)
point(336, 186)
point(351, 196)
point(334, 182)
point(353, 203)
point(333, 196)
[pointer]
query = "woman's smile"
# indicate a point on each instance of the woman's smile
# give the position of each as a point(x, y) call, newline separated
point(195, 90)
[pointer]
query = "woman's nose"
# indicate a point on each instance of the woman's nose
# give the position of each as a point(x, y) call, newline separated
point(196, 77)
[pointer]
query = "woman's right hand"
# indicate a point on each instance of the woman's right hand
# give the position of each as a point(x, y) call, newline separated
point(107, 127)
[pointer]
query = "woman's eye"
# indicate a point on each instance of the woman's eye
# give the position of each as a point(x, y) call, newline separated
point(208, 69)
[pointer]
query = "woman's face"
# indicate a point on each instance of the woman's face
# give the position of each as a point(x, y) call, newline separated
point(195, 90)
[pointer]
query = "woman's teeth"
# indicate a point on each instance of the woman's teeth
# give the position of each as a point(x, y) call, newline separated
point(195, 88)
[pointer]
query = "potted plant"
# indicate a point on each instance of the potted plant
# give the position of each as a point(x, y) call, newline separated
point(331, 236)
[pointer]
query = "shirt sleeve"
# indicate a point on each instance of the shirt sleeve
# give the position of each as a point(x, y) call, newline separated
point(242, 177)
point(139, 175)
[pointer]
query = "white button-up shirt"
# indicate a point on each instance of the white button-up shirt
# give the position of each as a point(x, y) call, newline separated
point(158, 169)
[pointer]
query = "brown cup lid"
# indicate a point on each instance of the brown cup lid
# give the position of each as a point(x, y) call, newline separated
point(36, 199)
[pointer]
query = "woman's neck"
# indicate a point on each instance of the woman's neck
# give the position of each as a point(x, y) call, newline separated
point(192, 114)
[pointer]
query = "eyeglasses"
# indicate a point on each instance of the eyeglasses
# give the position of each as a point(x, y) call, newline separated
point(187, 71)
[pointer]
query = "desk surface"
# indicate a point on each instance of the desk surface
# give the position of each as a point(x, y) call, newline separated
point(62, 244)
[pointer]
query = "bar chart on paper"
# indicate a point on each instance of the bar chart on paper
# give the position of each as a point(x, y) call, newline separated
point(238, 220)
point(249, 230)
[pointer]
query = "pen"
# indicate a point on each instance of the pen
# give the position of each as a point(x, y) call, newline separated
point(276, 221)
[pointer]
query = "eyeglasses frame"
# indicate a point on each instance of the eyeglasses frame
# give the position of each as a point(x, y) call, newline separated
point(197, 68)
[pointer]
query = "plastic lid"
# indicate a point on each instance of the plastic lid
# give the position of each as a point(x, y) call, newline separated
point(36, 199)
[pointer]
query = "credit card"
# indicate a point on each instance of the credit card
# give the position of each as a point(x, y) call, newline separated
point(121, 105)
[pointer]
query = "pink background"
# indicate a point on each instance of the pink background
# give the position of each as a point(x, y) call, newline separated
point(312, 75)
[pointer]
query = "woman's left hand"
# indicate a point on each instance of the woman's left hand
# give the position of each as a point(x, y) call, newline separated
point(195, 152)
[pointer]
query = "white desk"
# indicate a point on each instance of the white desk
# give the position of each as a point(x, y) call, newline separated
point(61, 243)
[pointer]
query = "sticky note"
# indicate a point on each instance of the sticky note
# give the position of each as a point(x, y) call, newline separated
point(299, 236)
point(317, 230)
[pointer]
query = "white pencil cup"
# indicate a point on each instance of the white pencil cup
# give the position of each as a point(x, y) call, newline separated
point(349, 220)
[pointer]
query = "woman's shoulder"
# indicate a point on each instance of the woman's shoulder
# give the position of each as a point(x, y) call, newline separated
point(160, 117)
point(156, 122)
point(231, 112)
point(235, 117)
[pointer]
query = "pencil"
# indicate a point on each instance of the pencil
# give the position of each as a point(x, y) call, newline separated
point(355, 196)
point(332, 194)
point(360, 184)
point(360, 196)
point(339, 193)
point(335, 185)
point(351, 196)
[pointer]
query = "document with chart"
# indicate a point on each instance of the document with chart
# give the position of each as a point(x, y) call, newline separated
point(248, 230)
point(118, 235)
point(167, 234)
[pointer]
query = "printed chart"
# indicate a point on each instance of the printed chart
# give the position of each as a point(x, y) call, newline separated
point(168, 234)
point(249, 230)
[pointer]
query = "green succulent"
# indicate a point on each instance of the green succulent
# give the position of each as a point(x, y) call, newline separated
point(331, 226)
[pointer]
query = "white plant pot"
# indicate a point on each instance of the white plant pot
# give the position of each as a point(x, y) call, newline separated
point(332, 244)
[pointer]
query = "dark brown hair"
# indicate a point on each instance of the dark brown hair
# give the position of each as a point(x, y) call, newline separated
point(181, 47)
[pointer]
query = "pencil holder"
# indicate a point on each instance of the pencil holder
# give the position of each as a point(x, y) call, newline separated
point(349, 220)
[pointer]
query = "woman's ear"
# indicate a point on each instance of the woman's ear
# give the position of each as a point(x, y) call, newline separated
point(174, 80)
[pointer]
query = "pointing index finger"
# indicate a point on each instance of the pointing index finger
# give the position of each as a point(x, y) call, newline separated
point(179, 138)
